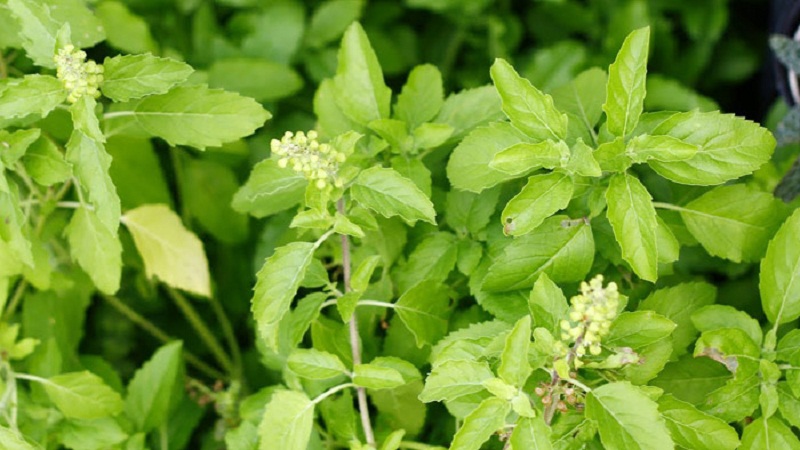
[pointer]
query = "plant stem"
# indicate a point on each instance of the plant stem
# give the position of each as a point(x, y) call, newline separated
point(230, 337)
point(19, 291)
point(159, 334)
point(202, 329)
point(331, 391)
point(355, 344)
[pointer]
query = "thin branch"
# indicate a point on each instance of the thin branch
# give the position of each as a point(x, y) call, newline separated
point(355, 344)
point(159, 334)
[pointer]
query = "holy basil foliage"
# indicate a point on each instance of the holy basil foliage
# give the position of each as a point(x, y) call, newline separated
point(417, 253)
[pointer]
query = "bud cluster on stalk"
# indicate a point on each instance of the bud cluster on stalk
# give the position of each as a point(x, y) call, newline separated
point(80, 77)
point(302, 152)
point(590, 316)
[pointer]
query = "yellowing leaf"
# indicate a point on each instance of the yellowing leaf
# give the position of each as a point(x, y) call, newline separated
point(170, 251)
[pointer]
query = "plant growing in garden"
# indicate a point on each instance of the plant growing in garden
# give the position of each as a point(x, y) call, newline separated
point(415, 267)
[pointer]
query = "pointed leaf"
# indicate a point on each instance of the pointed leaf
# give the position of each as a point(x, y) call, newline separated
point(627, 418)
point(315, 364)
point(734, 222)
point(83, 395)
point(633, 219)
point(372, 376)
point(769, 433)
point(422, 96)
point(455, 378)
point(156, 388)
point(32, 94)
point(38, 28)
point(692, 428)
point(530, 110)
point(360, 90)
point(780, 273)
point(728, 147)
point(390, 194)
point(276, 285)
point(625, 91)
point(424, 309)
point(468, 168)
point(561, 250)
point(128, 77)
point(522, 158)
point(170, 252)
point(531, 434)
point(514, 368)
point(198, 116)
point(543, 196)
point(15, 441)
point(90, 164)
point(269, 189)
point(96, 249)
point(547, 304)
point(481, 424)
point(288, 419)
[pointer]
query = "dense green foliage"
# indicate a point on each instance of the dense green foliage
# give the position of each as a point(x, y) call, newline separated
point(341, 231)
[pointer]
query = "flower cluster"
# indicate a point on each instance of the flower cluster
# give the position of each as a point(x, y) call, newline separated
point(80, 77)
point(590, 317)
point(303, 153)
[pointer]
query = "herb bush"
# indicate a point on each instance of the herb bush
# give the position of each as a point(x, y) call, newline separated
point(406, 283)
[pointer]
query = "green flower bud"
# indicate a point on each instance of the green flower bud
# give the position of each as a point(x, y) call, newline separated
point(80, 77)
point(305, 154)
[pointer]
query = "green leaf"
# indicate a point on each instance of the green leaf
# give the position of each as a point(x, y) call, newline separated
point(330, 19)
point(481, 424)
point(627, 418)
point(690, 379)
point(432, 259)
point(16, 144)
point(769, 433)
point(780, 269)
point(468, 168)
point(734, 222)
point(633, 219)
point(83, 395)
point(728, 147)
point(645, 147)
point(270, 189)
point(207, 189)
point(524, 157)
point(31, 94)
point(359, 281)
point(12, 220)
point(531, 434)
point(125, 30)
point(455, 378)
point(94, 434)
point(638, 329)
point(677, 303)
point(14, 440)
point(137, 172)
point(547, 304)
point(170, 252)
point(625, 91)
point(467, 212)
point(714, 317)
point(734, 401)
point(360, 90)
point(582, 162)
point(156, 388)
point(128, 77)
point(255, 77)
point(564, 252)
point(788, 404)
point(732, 348)
point(198, 116)
point(38, 28)
point(287, 423)
point(315, 364)
point(422, 96)
point(514, 368)
point(394, 440)
point(469, 109)
point(96, 249)
point(276, 285)
point(692, 428)
point(390, 194)
point(424, 309)
point(45, 163)
point(582, 99)
point(373, 376)
point(542, 196)
point(530, 110)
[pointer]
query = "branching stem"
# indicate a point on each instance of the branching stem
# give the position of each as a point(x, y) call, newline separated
point(355, 344)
